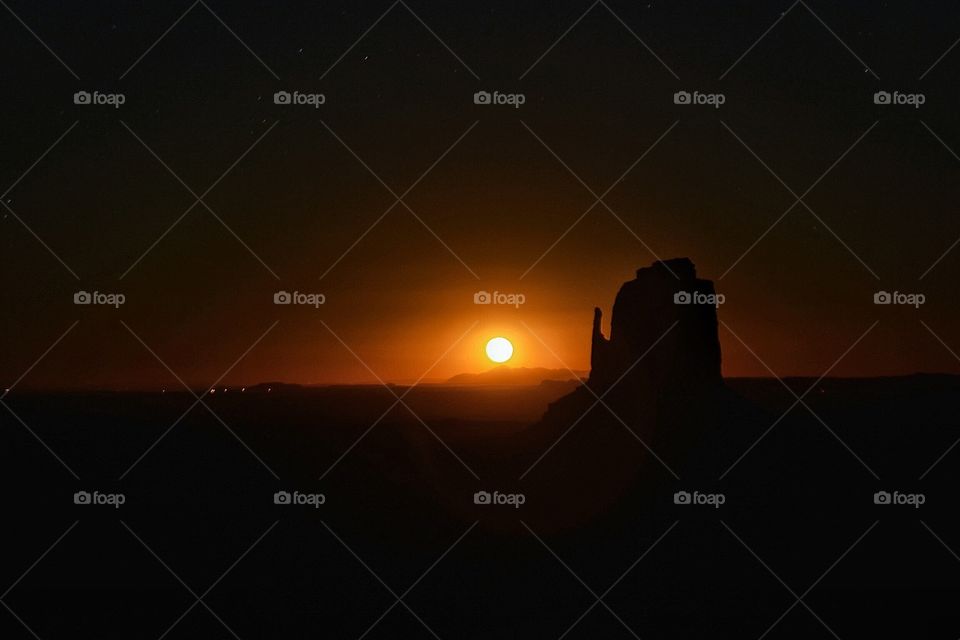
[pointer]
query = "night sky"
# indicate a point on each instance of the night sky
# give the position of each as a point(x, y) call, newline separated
point(493, 186)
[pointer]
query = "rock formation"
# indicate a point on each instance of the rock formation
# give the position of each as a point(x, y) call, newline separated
point(663, 332)
point(662, 357)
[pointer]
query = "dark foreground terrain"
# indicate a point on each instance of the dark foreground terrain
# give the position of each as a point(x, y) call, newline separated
point(598, 549)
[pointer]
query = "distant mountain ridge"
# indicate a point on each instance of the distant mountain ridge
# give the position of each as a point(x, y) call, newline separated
point(504, 375)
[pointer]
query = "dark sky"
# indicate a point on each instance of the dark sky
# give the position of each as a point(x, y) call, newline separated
point(484, 214)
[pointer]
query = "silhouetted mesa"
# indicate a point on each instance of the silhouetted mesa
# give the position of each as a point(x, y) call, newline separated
point(663, 333)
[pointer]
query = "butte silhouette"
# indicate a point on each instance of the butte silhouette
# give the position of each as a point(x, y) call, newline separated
point(656, 378)
point(663, 347)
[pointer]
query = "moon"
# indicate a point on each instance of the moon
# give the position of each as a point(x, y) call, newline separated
point(499, 349)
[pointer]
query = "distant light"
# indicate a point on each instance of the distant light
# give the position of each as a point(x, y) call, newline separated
point(213, 390)
point(243, 389)
point(499, 349)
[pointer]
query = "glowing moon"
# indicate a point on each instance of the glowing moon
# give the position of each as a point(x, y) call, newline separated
point(499, 349)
